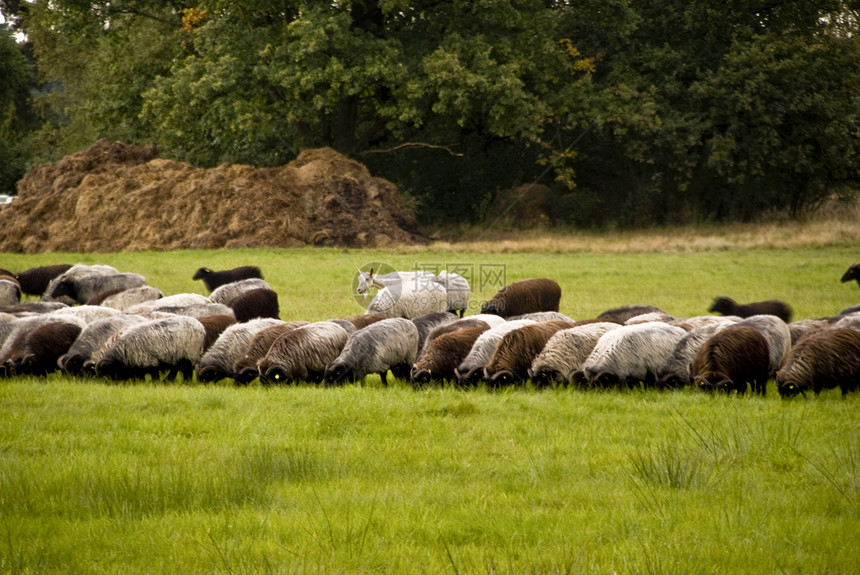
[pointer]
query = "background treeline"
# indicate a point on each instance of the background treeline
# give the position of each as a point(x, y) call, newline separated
point(630, 113)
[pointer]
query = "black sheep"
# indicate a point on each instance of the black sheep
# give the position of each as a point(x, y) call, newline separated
point(44, 346)
point(215, 325)
point(34, 281)
point(245, 369)
point(524, 296)
point(730, 359)
point(822, 360)
point(257, 303)
point(852, 273)
point(728, 306)
point(212, 279)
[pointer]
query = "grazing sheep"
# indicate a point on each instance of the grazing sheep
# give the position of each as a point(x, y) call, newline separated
point(540, 316)
point(650, 317)
point(197, 310)
point(728, 306)
point(14, 334)
point(173, 343)
point(730, 359)
point(10, 291)
point(777, 335)
point(823, 360)
point(473, 321)
point(428, 322)
point(254, 304)
point(409, 300)
point(364, 320)
point(218, 361)
point(122, 299)
point(852, 273)
point(441, 355)
point(517, 350)
point(87, 313)
point(34, 281)
point(245, 368)
point(471, 369)
point(33, 307)
point(167, 303)
point(801, 328)
point(303, 354)
point(524, 296)
point(458, 290)
point(849, 310)
point(697, 321)
point(387, 344)
point(565, 351)
point(214, 325)
point(675, 371)
point(849, 321)
point(44, 346)
point(630, 354)
point(92, 338)
point(213, 280)
point(228, 292)
point(82, 288)
point(624, 313)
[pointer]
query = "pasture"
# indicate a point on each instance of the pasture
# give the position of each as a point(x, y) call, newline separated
point(180, 477)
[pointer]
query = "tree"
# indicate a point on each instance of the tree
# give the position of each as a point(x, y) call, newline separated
point(16, 118)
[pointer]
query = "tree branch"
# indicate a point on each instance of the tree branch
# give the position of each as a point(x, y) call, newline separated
point(411, 145)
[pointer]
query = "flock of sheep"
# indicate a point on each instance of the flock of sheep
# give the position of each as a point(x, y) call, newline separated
point(95, 320)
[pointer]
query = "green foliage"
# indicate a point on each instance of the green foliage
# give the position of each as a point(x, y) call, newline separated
point(16, 80)
point(633, 112)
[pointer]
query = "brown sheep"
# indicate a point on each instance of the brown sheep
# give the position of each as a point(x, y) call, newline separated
point(524, 296)
point(732, 358)
point(245, 369)
point(444, 352)
point(517, 350)
point(822, 360)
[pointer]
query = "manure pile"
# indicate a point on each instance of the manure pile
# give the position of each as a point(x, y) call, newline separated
point(116, 197)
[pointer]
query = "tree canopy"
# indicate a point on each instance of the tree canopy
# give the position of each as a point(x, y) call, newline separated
point(630, 112)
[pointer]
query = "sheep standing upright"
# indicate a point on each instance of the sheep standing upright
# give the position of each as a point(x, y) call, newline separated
point(457, 289)
point(730, 359)
point(852, 273)
point(390, 344)
point(525, 296)
point(213, 280)
point(728, 306)
point(409, 300)
point(823, 360)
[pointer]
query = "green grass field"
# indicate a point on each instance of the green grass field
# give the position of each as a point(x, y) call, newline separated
point(178, 477)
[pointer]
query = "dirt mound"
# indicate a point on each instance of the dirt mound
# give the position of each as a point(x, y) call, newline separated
point(113, 197)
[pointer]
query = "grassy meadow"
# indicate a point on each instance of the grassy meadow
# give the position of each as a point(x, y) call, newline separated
point(180, 477)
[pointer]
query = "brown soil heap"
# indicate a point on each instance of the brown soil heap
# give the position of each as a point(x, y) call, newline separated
point(113, 197)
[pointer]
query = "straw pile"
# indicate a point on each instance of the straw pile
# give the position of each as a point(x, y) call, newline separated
point(114, 197)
